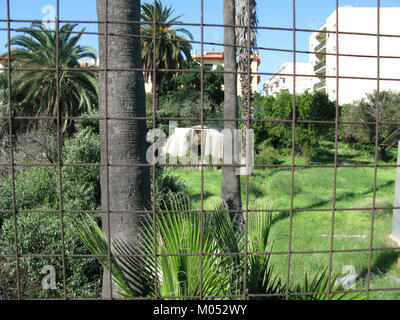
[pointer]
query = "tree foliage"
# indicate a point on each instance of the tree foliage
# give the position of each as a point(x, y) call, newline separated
point(366, 110)
point(314, 106)
point(187, 86)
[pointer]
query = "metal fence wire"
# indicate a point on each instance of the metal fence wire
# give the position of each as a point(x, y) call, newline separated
point(289, 211)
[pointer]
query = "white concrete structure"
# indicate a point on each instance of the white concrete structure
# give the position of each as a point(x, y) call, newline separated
point(196, 141)
point(323, 59)
point(357, 20)
point(283, 79)
point(89, 62)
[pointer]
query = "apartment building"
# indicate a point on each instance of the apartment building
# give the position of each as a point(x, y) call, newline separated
point(354, 72)
point(213, 59)
point(357, 62)
point(283, 79)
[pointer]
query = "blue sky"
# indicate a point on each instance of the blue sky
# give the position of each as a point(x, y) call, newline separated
point(310, 14)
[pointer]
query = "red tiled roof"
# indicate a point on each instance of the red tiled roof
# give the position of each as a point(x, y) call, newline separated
point(210, 55)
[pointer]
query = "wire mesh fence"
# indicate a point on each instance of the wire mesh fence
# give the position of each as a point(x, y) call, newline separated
point(57, 270)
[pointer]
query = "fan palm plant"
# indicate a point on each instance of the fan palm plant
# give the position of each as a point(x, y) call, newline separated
point(180, 241)
point(171, 47)
point(317, 289)
point(36, 49)
point(179, 264)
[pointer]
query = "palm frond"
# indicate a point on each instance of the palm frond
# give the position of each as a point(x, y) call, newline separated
point(318, 288)
point(94, 240)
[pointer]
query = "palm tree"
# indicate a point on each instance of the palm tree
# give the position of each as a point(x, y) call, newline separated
point(230, 188)
point(123, 142)
point(244, 8)
point(172, 46)
point(36, 48)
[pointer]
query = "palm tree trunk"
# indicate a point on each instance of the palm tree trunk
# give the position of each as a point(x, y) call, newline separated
point(245, 14)
point(246, 110)
point(230, 188)
point(122, 141)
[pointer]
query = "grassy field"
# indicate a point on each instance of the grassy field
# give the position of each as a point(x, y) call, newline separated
point(311, 230)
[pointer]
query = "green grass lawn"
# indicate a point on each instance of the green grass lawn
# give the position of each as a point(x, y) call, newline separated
point(311, 230)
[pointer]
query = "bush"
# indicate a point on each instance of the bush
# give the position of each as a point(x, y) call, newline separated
point(187, 86)
point(309, 106)
point(40, 233)
point(167, 187)
point(34, 187)
point(81, 185)
point(87, 122)
point(268, 155)
point(37, 187)
point(363, 137)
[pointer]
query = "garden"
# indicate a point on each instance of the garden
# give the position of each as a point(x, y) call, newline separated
point(318, 206)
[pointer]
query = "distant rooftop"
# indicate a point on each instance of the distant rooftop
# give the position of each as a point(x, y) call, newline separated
point(209, 55)
point(216, 55)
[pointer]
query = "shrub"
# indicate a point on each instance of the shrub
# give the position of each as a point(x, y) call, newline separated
point(363, 137)
point(167, 187)
point(309, 106)
point(40, 233)
point(87, 122)
point(268, 155)
point(37, 187)
point(34, 187)
point(81, 185)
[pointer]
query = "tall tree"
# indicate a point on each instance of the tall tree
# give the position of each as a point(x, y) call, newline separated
point(245, 14)
point(230, 188)
point(172, 47)
point(123, 142)
point(36, 89)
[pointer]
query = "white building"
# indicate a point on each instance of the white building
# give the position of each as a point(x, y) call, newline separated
point(351, 46)
point(352, 71)
point(283, 79)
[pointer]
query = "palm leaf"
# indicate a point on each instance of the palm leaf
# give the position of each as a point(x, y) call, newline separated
point(126, 275)
point(318, 288)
